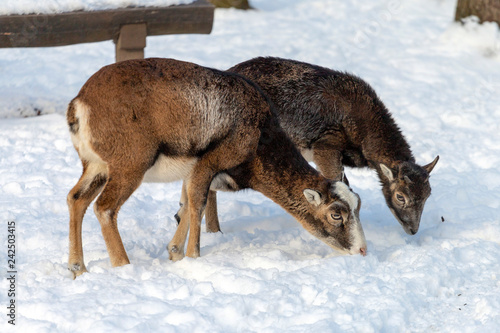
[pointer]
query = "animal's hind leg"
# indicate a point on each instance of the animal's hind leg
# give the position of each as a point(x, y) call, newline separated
point(93, 178)
point(211, 216)
point(122, 182)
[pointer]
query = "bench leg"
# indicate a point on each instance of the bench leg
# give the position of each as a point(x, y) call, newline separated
point(131, 42)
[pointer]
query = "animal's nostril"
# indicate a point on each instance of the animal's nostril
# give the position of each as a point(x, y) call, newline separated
point(363, 251)
point(177, 217)
point(413, 232)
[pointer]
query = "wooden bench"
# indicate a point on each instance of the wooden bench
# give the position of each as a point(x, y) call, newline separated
point(127, 27)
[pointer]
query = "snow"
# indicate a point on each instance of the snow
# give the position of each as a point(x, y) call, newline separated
point(265, 273)
point(9, 7)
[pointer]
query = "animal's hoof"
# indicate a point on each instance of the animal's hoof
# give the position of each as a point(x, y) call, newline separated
point(213, 230)
point(193, 254)
point(175, 253)
point(77, 270)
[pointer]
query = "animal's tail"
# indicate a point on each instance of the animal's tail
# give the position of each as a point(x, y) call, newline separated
point(71, 118)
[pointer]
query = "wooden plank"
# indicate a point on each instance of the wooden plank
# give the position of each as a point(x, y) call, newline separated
point(86, 27)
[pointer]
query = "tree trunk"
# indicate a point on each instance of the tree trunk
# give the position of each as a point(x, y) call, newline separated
point(486, 10)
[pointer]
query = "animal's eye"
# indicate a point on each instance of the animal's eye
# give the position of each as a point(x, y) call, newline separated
point(400, 198)
point(337, 217)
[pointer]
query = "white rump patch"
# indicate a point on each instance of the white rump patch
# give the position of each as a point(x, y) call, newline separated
point(81, 140)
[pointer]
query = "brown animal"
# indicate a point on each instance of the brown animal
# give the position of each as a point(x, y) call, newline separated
point(163, 120)
point(337, 119)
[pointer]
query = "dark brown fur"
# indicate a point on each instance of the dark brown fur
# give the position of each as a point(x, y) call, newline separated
point(340, 118)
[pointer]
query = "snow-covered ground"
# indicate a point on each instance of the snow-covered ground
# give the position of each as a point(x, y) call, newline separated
point(9, 7)
point(265, 273)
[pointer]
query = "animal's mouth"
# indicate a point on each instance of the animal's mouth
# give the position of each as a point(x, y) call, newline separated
point(345, 251)
point(408, 227)
point(410, 230)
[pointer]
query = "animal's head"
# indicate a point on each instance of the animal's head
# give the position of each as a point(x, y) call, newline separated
point(406, 187)
point(335, 217)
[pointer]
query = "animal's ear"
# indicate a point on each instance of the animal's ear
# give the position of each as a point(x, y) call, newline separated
point(431, 165)
point(312, 196)
point(386, 172)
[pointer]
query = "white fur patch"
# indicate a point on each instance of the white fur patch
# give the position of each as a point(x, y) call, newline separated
point(358, 236)
point(169, 169)
point(81, 140)
point(208, 104)
point(308, 154)
point(223, 182)
point(345, 193)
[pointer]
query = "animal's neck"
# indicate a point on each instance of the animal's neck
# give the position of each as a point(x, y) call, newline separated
point(281, 173)
point(385, 143)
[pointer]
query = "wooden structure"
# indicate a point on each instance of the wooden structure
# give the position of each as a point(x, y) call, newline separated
point(127, 27)
point(485, 10)
point(238, 4)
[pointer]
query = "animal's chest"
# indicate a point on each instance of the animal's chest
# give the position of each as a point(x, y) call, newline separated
point(354, 158)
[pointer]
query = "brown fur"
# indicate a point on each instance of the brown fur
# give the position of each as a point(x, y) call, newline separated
point(164, 120)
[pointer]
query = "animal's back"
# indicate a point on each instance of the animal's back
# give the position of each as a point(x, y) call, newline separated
point(175, 108)
point(313, 102)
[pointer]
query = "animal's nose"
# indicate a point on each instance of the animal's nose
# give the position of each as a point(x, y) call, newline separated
point(178, 218)
point(412, 231)
point(363, 251)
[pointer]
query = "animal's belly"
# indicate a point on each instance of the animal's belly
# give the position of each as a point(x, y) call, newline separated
point(169, 169)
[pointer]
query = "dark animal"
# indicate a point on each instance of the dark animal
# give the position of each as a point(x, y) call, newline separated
point(337, 119)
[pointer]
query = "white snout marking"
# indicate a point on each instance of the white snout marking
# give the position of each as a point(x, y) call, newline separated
point(358, 236)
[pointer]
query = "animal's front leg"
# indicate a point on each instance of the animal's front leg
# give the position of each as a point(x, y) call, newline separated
point(176, 246)
point(329, 163)
point(197, 192)
point(182, 204)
